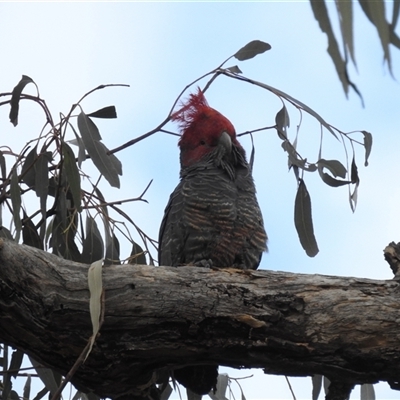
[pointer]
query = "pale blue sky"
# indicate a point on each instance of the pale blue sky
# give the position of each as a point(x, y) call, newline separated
point(158, 48)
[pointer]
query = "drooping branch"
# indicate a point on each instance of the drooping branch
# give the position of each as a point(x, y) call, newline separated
point(155, 317)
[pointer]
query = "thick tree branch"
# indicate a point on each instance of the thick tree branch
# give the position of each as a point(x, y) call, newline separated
point(292, 324)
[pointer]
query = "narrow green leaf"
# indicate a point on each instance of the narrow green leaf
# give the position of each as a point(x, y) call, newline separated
point(106, 112)
point(345, 10)
point(334, 166)
point(316, 386)
point(15, 193)
point(235, 69)
point(15, 97)
point(367, 392)
point(87, 128)
point(356, 180)
point(303, 220)
point(137, 255)
point(95, 283)
point(93, 247)
point(222, 385)
point(282, 122)
point(112, 250)
point(376, 13)
point(27, 388)
point(252, 49)
point(28, 169)
point(46, 375)
point(367, 145)
point(30, 236)
point(108, 165)
point(41, 394)
point(3, 166)
point(73, 177)
point(16, 361)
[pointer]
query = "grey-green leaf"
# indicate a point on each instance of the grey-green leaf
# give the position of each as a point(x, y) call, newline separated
point(93, 247)
point(252, 49)
point(27, 388)
point(15, 97)
point(334, 166)
point(137, 255)
point(235, 69)
point(15, 193)
point(108, 165)
point(106, 112)
point(28, 169)
point(367, 392)
point(316, 386)
point(282, 122)
point(46, 375)
point(367, 145)
point(72, 172)
point(303, 220)
point(16, 361)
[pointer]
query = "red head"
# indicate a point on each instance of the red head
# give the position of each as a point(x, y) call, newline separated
point(202, 129)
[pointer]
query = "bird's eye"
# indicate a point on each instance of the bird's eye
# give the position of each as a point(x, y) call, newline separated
point(202, 142)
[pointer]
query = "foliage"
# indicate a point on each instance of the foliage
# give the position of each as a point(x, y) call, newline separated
point(49, 175)
point(376, 12)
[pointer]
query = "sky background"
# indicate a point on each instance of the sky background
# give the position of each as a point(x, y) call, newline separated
point(158, 48)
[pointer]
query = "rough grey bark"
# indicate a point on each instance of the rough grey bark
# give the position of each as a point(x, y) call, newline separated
point(155, 317)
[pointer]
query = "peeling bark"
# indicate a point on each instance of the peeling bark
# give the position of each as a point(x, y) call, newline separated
point(156, 317)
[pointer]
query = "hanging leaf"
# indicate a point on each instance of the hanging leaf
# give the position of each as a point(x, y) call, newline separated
point(112, 250)
point(15, 97)
point(345, 11)
point(3, 166)
point(222, 385)
point(30, 236)
point(27, 388)
point(106, 112)
point(303, 220)
point(235, 69)
point(96, 288)
point(137, 255)
point(93, 247)
point(252, 49)
point(16, 361)
point(356, 180)
point(367, 392)
point(316, 386)
point(46, 375)
point(334, 166)
point(72, 173)
point(282, 122)
point(108, 165)
point(367, 145)
point(28, 169)
point(375, 11)
point(15, 193)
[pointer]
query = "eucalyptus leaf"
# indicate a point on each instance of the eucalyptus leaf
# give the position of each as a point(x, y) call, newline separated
point(93, 247)
point(15, 193)
point(367, 145)
point(316, 386)
point(107, 164)
point(106, 112)
point(15, 97)
point(28, 168)
point(73, 177)
point(282, 122)
point(367, 392)
point(334, 166)
point(252, 49)
point(303, 220)
point(137, 255)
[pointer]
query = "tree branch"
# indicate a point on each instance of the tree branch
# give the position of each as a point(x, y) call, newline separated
point(157, 317)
